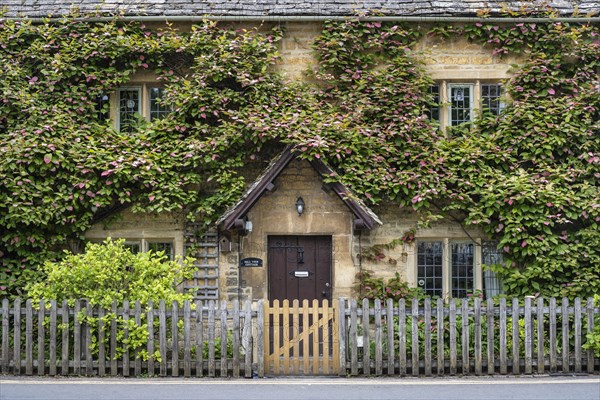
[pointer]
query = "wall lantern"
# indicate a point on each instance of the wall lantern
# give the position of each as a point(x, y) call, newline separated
point(300, 205)
point(459, 94)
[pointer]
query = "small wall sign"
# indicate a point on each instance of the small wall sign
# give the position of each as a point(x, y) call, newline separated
point(251, 262)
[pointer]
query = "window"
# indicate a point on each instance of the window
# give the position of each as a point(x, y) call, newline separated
point(137, 102)
point(430, 266)
point(492, 285)
point(453, 267)
point(144, 245)
point(456, 103)
point(462, 265)
point(433, 271)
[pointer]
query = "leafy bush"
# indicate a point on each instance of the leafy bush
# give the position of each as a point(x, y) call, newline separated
point(109, 272)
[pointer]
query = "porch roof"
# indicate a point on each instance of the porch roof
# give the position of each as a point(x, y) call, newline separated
point(365, 217)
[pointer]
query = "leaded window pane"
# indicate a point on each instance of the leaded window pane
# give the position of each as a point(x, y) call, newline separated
point(134, 247)
point(434, 110)
point(157, 109)
point(490, 254)
point(129, 108)
point(430, 267)
point(460, 104)
point(490, 98)
point(462, 269)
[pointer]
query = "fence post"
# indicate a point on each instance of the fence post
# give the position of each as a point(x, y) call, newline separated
point(150, 345)
point(137, 316)
point(564, 319)
point(427, 329)
point(389, 319)
point(247, 339)
point(88, 340)
point(77, 338)
point(502, 336)
point(41, 351)
point(415, 337)
point(162, 337)
point(175, 338)
point(5, 330)
point(17, 336)
point(223, 319)
point(464, 317)
point(440, 336)
point(260, 337)
point(490, 314)
point(590, 329)
point(101, 346)
point(378, 338)
point(516, 342)
point(114, 366)
point(28, 338)
point(353, 337)
point(577, 326)
point(187, 353)
point(552, 334)
point(540, 335)
point(528, 337)
point(477, 333)
point(402, 336)
point(452, 324)
point(64, 368)
point(199, 339)
point(342, 336)
point(366, 339)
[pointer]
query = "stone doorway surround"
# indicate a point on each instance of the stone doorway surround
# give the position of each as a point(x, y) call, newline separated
point(268, 208)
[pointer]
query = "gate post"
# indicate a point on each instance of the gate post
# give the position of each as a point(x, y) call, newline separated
point(341, 325)
point(260, 338)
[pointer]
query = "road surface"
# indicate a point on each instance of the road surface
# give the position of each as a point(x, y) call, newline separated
point(488, 388)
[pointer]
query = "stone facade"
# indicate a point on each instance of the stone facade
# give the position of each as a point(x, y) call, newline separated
point(275, 214)
point(447, 61)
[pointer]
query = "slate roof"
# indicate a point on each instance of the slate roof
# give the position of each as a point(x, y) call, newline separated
point(283, 8)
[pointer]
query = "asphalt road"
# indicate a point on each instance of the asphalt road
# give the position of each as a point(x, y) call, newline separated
point(488, 388)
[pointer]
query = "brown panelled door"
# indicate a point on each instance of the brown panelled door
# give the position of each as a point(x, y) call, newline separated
point(299, 267)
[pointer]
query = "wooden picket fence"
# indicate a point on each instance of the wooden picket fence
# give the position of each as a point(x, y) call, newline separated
point(249, 339)
point(466, 337)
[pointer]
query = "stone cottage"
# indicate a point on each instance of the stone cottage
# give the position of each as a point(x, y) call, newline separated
point(292, 235)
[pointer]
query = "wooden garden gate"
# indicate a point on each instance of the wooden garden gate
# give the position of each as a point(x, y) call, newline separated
point(301, 340)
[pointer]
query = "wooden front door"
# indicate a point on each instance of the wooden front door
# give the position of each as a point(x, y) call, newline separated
point(299, 267)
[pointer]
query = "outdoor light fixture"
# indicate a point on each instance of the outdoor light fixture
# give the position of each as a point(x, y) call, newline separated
point(459, 95)
point(300, 205)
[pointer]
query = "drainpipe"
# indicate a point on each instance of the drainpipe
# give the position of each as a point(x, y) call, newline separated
point(316, 18)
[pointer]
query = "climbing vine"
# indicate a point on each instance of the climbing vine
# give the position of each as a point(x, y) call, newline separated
point(528, 177)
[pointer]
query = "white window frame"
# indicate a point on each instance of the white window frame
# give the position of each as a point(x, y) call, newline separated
point(144, 107)
point(476, 103)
